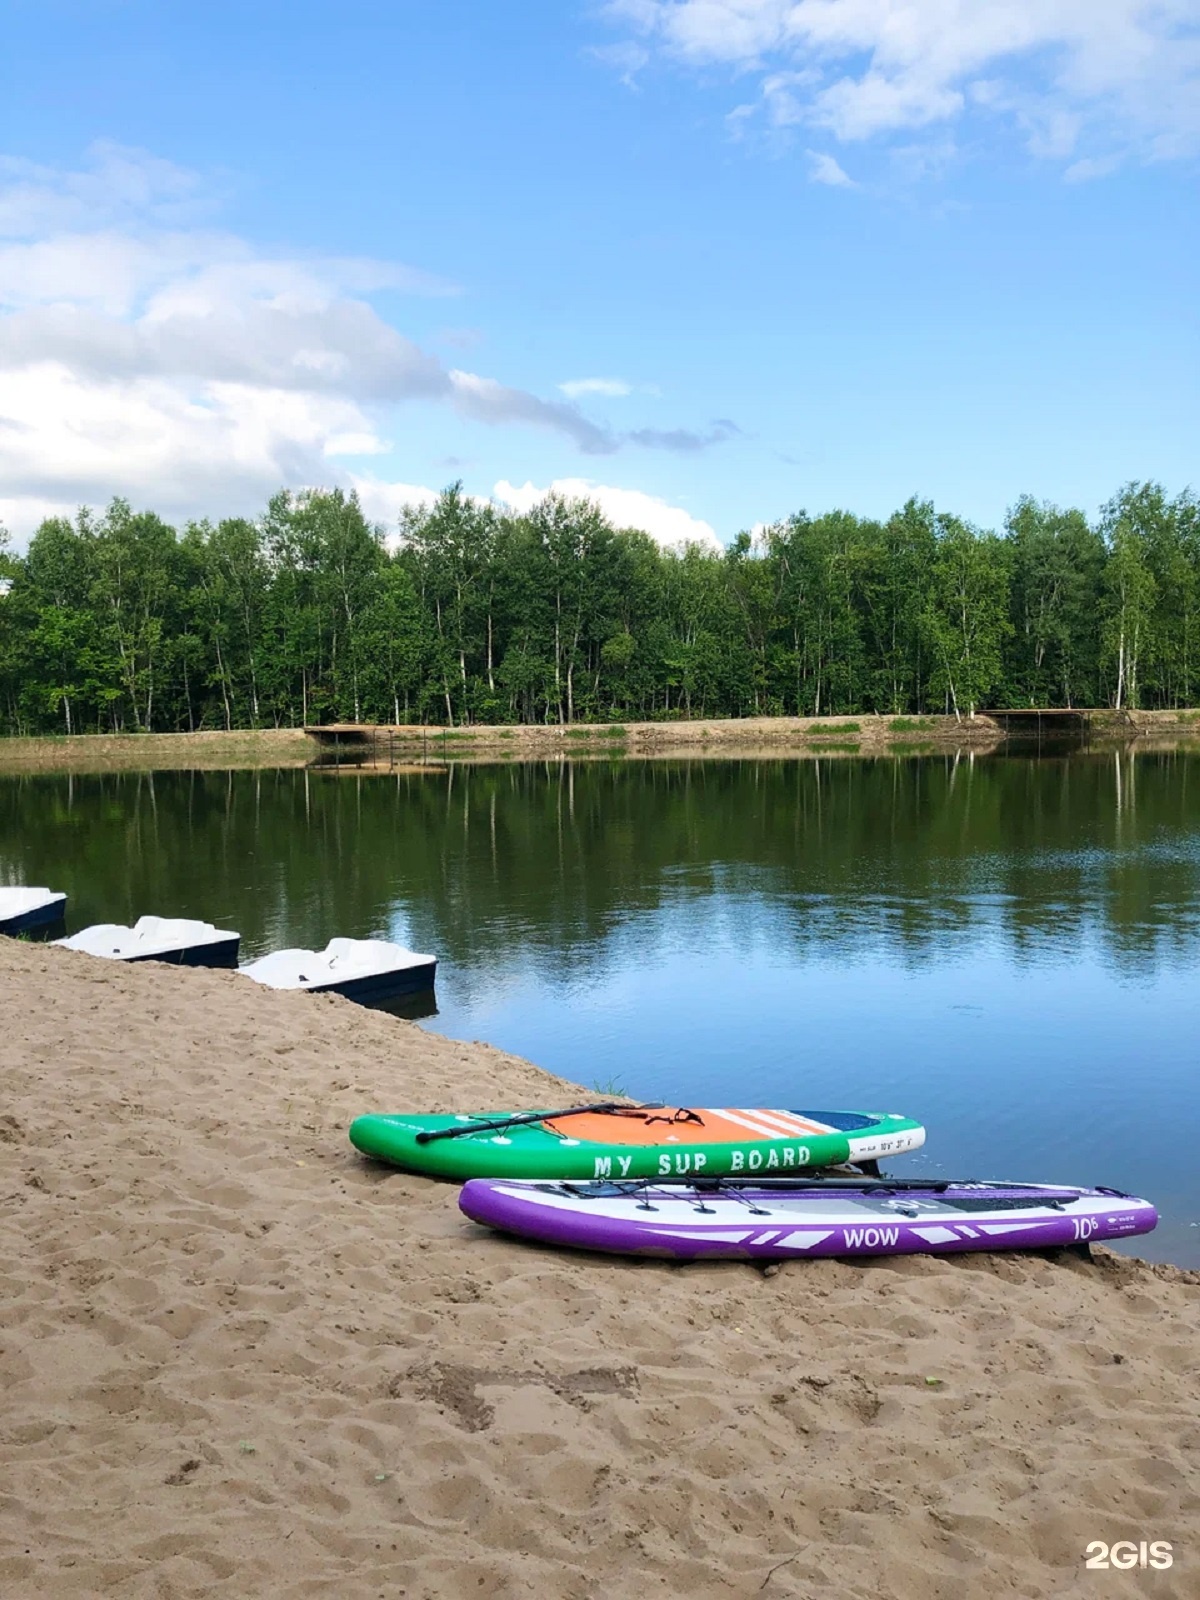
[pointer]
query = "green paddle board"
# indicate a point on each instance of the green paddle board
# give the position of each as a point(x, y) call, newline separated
point(616, 1141)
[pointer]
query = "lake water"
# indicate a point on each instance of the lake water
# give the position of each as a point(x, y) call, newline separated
point(1007, 948)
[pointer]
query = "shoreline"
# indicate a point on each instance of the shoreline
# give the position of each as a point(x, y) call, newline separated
point(235, 1352)
point(418, 748)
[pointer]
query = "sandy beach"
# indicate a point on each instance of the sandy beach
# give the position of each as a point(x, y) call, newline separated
point(239, 1360)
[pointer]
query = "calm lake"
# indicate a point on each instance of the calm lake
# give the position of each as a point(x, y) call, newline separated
point(1007, 948)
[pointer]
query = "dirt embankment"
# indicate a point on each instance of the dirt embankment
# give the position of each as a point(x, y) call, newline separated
point(161, 752)
point(747, 736)
point(420, 746)
point(733, 736)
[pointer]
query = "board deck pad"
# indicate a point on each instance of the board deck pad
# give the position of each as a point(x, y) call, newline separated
point(631, 1141)
point(712, 1127)
point(756, 1222)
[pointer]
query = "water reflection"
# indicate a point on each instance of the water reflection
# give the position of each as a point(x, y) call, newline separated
point(411, 1007)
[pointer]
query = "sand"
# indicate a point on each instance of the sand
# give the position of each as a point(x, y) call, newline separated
point(238, 1360)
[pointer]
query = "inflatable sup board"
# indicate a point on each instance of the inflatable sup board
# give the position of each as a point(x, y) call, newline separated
point(618, 1141)
point(817, 1217)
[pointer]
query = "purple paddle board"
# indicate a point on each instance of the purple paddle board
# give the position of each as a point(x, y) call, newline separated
point(836, 1218)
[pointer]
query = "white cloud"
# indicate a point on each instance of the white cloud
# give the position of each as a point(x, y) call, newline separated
point(823, 168)
point(116, 184)
point(669, 525)
point(1087, 169)
point(627, 58)
point(383, 502)
point(147, 353)
point(1068, 73)
point(486, 400)
point(626, 508)
point(612, 388)
point(68, 438)
point(356, 444)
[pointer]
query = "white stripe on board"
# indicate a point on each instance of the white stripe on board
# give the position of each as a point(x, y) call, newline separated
point(792, 1124)
point(803, 1240)
point(746, 1120)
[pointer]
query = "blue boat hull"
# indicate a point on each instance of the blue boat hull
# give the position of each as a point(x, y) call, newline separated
point(223, 955)
point(382, 986)
point(39, 920)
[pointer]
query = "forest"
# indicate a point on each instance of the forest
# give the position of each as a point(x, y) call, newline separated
point(467, 613)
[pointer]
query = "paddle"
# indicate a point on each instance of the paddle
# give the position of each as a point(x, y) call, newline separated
point(520, 1118)
point(712, 1185)
point(872, 1185)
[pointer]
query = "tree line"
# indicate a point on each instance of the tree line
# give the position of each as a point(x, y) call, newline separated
point(468, 613)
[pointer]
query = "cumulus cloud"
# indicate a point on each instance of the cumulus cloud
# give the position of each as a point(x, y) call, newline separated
point(145, 352)
point(611, 388)
point(383, 502)
point(66, 439)
point(823, 168)
point(1121, 74)
point(671, 526)
point(626, 508)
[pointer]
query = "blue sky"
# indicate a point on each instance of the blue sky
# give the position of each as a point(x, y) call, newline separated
point(780, 253)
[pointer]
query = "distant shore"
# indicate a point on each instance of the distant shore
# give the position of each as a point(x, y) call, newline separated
point(415, 745)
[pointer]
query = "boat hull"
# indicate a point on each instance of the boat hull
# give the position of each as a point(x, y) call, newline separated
point(38, 919)
point(223, 955)
point(381, 987)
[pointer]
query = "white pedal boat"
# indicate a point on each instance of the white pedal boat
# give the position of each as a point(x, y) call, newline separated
point(368, 970)
point(25, 910)
point(175, 939)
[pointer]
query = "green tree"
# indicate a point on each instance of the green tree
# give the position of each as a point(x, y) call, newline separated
point(966, 617)
point(898, 564)
point(1129, 522)
point(1172, 530)
point(754, 580)
point(396, 644)
point(1057, 563)
point(452, 543)
point(134, 586)
point(70, 662)
point(303, 614)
